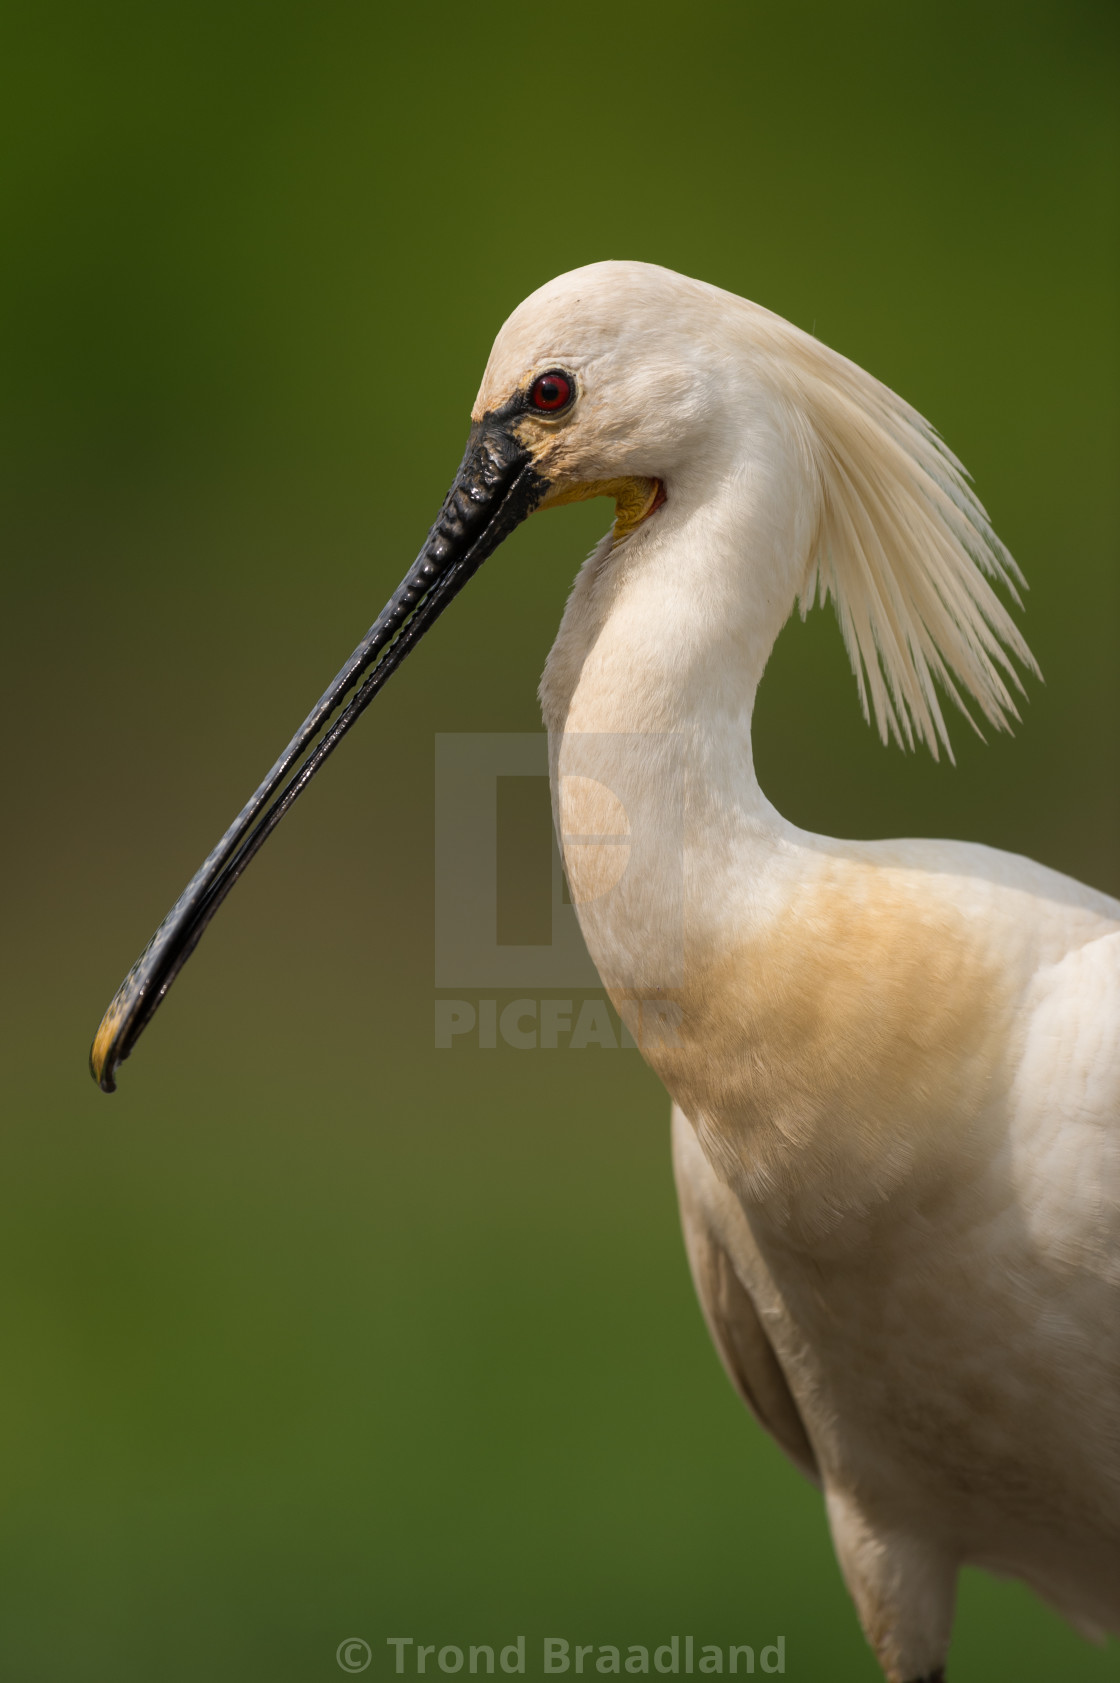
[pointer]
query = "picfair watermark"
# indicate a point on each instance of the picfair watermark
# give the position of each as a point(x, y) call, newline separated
point(504, 913)
point(551, 1025)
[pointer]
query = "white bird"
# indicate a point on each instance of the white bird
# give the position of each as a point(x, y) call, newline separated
point(894, 1064)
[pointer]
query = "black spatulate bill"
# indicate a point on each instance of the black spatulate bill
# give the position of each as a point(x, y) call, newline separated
point(495, 488)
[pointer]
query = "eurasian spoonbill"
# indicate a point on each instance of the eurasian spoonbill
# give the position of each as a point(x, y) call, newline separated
point(894, 1065)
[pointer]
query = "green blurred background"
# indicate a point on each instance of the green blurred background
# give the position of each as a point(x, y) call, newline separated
point(313, 1331)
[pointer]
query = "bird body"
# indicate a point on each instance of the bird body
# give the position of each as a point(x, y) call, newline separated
point(895, 1126)
point(896, 1085)
point(894, 1064)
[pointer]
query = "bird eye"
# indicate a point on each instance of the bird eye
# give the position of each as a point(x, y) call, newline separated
point(551, 391)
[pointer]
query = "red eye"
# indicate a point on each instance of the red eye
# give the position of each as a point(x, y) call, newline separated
point(551, 391)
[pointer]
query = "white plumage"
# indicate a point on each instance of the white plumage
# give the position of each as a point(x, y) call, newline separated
point(894, 1064)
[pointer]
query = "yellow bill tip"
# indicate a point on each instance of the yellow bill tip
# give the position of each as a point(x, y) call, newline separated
point(102, 1062)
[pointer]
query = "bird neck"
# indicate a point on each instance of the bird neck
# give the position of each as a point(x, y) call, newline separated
point(670, 847)
point(772, 978)
point(678, 867)
point(666, 635)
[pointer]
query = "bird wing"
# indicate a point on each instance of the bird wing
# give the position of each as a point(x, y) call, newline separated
point(714, 1226)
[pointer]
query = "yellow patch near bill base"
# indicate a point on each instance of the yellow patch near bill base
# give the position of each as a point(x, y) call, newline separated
point(634, 499)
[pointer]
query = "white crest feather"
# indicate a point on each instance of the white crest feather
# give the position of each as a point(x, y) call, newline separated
point(905, 550)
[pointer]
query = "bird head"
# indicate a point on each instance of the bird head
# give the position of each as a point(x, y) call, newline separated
point(563, 414)
point(616, 372)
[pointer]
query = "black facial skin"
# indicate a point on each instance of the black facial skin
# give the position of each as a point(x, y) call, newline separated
point(495, 489)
